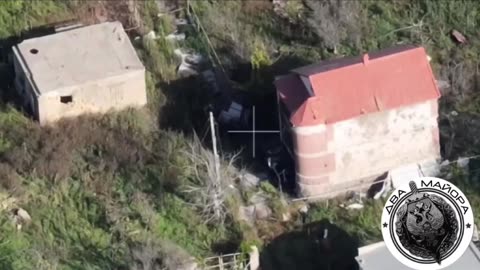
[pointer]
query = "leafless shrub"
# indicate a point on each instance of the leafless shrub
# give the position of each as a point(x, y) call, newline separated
point(461, 78)
point(210, 189)
point(158, 255)
point(256, 6)
point(334, 20)
point(459, 108)
point(146, 257)
point(9, 179)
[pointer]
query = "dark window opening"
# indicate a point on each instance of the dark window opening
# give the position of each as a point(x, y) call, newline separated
point(34, 51)
point(66, 99)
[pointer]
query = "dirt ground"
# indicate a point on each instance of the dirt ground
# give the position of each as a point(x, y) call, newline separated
point(125, 11)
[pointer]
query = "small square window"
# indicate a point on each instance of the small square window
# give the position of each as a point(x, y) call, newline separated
point(66, 99)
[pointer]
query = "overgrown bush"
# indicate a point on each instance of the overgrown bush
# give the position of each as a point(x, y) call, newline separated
point(335, 21)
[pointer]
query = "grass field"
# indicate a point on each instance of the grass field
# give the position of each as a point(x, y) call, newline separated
point(95, 205)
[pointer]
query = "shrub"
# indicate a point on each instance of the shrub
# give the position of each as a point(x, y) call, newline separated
point(334, 21)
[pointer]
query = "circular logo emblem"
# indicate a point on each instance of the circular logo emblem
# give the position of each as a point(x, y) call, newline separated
point(427, 224)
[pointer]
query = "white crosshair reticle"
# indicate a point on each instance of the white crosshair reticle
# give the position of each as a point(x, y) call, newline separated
point(253, 131)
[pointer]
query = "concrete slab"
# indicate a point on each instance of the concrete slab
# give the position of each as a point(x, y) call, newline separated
point(377, 257)
point(78, 56)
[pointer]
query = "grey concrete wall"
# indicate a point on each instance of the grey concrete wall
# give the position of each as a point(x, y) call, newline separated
point(343, 154)
point(19, 74)
point(24, 84)
point(113, 93)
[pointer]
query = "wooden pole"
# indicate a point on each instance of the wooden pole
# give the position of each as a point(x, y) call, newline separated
point(214, 144)
point(217, 188)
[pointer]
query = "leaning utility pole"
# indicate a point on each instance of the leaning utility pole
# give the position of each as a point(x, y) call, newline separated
point(216, 185)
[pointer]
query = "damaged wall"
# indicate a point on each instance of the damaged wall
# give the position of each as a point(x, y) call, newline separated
point(345, 153)
point(99, 96)
point(90, 69)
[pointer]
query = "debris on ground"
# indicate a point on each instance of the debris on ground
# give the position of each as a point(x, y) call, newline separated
point(286, 217)
point(459, 37)
point(183, 25)
point(303, 207)
point(442, 84)
point(262, 211)
point(354, 206)
point(191, 58)
point(257, 209)
point(254, 212)
point(249, 180)
point(191, 63)
point(150, 35)
point(20, 217)
point(233, 114)
point(247, 214)
point(6, 203)
point(355, 196)
point(176, 36)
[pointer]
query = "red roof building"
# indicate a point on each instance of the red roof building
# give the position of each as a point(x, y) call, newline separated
point(324, 101)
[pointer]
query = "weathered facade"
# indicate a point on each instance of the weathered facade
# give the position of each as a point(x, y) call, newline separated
point(352, 120)
point(90, 69)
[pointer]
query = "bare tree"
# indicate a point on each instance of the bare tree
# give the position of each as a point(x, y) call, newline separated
point(155, 254)
point(213, 182)
point(334, 20)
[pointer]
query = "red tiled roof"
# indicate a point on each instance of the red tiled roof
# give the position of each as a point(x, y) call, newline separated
point(349, 87)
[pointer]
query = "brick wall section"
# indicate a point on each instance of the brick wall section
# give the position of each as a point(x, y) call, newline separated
point(310, 144)
point(314, 163)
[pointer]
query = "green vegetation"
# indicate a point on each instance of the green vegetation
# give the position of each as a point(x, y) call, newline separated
point(17, 16)
point(107, 192)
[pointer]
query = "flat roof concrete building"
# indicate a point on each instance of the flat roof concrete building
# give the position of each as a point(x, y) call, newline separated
point(88, 69)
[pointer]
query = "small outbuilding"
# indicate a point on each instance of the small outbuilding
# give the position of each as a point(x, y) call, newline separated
point(351, 120)
point(91, 69)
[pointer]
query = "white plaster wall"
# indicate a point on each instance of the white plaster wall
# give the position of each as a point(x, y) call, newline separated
point(375, 143)
point(119, 92)
point(392, 123)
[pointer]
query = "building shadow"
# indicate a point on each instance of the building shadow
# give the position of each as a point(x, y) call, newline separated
point(263, 97)
point(189, 100)
point(186, 105)
point(317, 246)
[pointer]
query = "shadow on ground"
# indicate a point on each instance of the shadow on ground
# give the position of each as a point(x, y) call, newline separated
point(317, 246)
